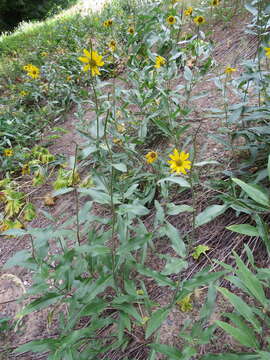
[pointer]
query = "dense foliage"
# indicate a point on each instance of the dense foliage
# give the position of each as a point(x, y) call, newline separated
point(135, 181)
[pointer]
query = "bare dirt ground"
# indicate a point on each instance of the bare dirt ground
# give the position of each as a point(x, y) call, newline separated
point(232, 47)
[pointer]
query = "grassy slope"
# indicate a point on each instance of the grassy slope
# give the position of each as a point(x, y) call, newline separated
point(53, 46)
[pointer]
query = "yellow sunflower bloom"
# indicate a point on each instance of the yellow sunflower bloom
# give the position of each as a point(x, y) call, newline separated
point(23, 93)
point(26, 169)
point(8, 152)
point(4, 226)
point(32, 71)
point(92, 61)
point(108, 23)
point(131, 30)
point(188, 11)
point(179, 162)
point(267, 52)
point(151, 157)
point(171, 20)
point(160, 61)
point(112, 45)
point(27, 67)
point(229, 70)
point(215, 2)
point(199, 20)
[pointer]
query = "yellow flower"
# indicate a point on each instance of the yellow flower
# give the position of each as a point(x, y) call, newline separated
point(4, 226)
point(2, 196)
point(229, 70)
point(92, 60)
point(120, 128)
point(188, 11)
point(144, 320)
point(171, 20)
point(199, 20)
point(151, 157)
point(267, 52)
point(23, 93)
point(179, 162)
point(160, 61)
point(69, 77)
point(32, 71)
point(8, 152)
point(44, 54)
point(112, 45)
point(27, 67)
point(108, 23)
point(26, 169)
point(131, 30)
point(215, 2)
point(117, 141)
point(185, 304)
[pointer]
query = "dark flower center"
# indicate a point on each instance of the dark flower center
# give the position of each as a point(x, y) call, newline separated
point(92, 63)
point(179, 162)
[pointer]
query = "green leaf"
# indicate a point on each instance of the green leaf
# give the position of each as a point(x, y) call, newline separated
point(174, 266)
point(227, 356)
point(173, 209)
point(18, 259)
point(209, 306)
point(210, 213)
point(128, 309)
point(188, 73)
point(162, 280)
point(88, 150)
point(40, 346)
point(250, 281)
point(169, 351)
point(244, 338)
point(62, 191)
point(244, 229)
point(97, 196)
point(135, 209)
point(174, 235)
point(207, 162)
point(40, 303)
point(14, 232)
point(93, 250)
point(268, 167)
point(243, 308)
point(157, 318)
point(176, 180)
point(200, 249)
point(263, 231)
point(120, 166)
point(254, 192)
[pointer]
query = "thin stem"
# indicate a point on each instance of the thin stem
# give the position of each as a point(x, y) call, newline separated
point(193, 193)
point(76, 195)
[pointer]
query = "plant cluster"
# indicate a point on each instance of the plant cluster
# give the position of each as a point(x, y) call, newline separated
point(93, 273)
